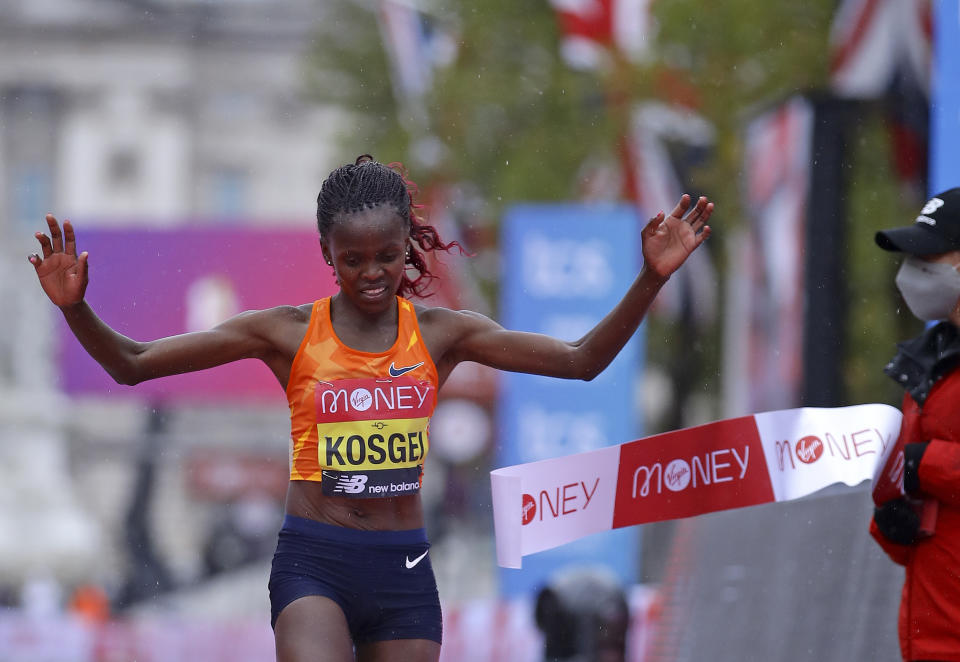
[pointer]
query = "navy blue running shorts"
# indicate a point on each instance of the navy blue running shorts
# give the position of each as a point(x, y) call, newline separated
point(382, 580)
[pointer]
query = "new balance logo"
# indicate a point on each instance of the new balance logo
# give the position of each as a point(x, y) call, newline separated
point(413, 563)
point(351, 484)
point(396, 372)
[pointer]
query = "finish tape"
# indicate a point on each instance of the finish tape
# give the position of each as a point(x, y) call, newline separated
point(773, 456)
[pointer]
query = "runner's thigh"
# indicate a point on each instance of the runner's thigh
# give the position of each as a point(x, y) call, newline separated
point(409, 650)
point(313, 629)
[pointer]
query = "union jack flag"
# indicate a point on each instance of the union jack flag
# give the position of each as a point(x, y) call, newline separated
point(764, 315)
point(882, 49)
point(417, 46)
point(593, 29)
point(871, 39)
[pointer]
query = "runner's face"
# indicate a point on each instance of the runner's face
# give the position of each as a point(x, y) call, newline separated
point(368, 251)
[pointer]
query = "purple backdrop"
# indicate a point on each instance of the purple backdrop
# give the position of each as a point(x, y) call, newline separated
point(155, 283)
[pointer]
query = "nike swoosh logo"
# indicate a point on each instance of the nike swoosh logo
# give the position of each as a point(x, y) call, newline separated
point(396, 372)
point(414, 562)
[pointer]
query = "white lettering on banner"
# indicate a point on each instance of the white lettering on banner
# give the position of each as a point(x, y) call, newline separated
point(648, 473)
point(709, 468)
point(334, 398)
point(565, 500)
point(383, 398)
point(844, 446)
point(895, 475)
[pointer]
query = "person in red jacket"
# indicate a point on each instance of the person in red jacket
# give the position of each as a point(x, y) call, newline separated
point(920, 529)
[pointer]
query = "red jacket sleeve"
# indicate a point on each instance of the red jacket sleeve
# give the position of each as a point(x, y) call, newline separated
point(939, 472)
point(898, 553)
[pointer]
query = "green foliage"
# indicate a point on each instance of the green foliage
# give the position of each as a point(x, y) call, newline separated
point(740, 55)
point(517, 124)
point(348, 67)
point(877, 317)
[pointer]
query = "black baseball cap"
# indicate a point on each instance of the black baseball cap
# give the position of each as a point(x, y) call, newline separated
point(936, 230)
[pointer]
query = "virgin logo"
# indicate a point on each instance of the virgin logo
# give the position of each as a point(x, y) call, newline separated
point(809, 449)
point(529, 508)
point(361, 399)
point(710, 468)
point(677, 475)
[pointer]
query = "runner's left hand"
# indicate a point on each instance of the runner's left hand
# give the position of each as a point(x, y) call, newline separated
point(669, 240)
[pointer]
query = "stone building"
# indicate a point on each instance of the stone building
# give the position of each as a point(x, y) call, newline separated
point(130, 113)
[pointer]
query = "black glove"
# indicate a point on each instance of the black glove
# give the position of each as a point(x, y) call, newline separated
point(912, 453)
point(897, 521)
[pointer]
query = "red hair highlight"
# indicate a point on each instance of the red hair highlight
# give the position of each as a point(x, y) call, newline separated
point(423, 235)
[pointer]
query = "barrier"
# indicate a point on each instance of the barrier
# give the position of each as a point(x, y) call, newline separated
point(486, 630)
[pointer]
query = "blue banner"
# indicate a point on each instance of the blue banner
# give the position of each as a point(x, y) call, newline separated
point(564, 268)
point(945, 98)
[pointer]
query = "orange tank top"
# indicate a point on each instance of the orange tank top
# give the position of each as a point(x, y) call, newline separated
point(359, 420)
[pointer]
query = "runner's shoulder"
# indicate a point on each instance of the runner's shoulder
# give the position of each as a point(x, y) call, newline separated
point(276, 318)
point(447, 320)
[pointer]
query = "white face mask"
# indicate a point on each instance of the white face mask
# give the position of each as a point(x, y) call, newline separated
point(931, 289)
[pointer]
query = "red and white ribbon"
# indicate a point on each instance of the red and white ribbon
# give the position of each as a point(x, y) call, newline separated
point(773, 456)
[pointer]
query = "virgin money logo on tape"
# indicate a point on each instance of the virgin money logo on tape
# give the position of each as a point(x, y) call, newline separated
point(677, 475)
point(529, 508)
point(809, 449)
point(836, 445)
point(711, 468)
point(652, 487)
point(559, 501)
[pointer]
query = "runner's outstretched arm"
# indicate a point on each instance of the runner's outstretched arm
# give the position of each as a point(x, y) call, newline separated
point(63, 275)
point(667, 242)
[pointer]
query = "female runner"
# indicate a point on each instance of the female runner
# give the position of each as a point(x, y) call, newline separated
point(351, 578)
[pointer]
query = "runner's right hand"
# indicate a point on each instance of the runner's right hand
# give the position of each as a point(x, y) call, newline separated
point(62, 273)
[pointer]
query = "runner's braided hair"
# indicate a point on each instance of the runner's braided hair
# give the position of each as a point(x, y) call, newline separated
point(367, 183)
